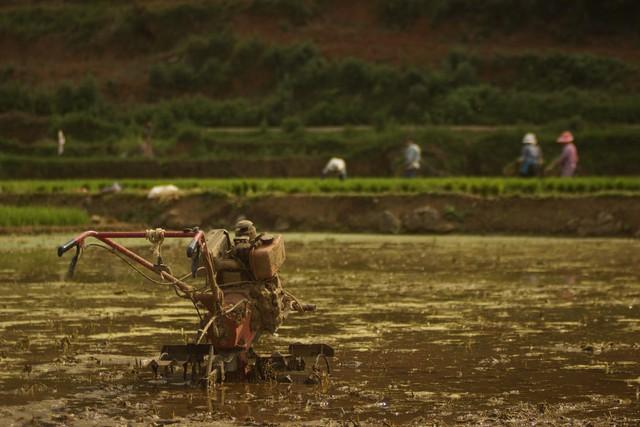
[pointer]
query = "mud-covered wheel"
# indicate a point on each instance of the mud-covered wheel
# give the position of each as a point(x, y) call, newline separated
point(215, 370)
point(320, 371)
point(264, 370)
point(216, 375)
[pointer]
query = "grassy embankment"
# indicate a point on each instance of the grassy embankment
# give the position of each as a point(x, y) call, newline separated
point(257, 187)
point(188, 79)
point(16, 216)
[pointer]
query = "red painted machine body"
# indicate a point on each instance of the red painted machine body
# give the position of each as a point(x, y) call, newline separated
point(236, 335)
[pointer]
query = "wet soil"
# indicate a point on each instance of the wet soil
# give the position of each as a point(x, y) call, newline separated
point(482, 330)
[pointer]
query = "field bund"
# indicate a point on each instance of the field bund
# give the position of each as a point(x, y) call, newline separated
point(568, 215)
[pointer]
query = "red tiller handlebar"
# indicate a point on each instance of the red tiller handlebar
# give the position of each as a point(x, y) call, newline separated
point(198, 242)
point(197, 236)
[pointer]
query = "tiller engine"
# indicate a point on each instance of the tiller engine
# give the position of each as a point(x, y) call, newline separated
point(242, 298)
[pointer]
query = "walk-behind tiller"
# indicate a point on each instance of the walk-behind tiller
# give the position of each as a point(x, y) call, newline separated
point(242, 297)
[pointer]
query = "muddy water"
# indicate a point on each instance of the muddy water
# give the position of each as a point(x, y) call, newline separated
point(427, 330)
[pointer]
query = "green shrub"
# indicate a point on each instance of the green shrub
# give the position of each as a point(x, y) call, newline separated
point(206, 112)
point(288, 59)
point(401, 13)
point(218, 46)
point(461, 68)
point(176, 77)
point(145, 29)
point(558, 71)
point(297, 12)
point(292, 125)
point(15, 97)
point(325, 114)
point(246, 54)
point(77, 22)
point(206, 66)
point(85, 96)
point(354, 76)
point(213, 74)
point(164, 124)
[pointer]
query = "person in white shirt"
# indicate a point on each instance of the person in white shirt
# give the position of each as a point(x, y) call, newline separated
point(412, 158)
point(61, 142)
point(335, 166)
point(530, 159)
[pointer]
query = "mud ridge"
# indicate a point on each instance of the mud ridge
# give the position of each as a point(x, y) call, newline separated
point(395, 214)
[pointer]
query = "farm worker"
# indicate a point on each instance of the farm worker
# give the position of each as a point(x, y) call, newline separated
point(147, 146)
point(61, 142)
point(530, 159)
point(335, 166)
point(412, 158)
point(568, 160)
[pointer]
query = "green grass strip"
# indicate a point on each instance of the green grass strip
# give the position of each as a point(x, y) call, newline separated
point(247, 187)
point(15, 216)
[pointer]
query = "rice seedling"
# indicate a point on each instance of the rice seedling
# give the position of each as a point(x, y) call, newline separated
point(16, 216)
point(480, 186)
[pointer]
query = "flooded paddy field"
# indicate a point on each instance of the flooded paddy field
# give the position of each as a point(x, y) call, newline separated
point(427, 330)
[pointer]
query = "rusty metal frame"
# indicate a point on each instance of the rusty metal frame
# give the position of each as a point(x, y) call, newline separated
point(198, 240)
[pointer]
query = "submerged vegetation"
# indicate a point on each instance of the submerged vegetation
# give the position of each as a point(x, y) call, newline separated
point(257, 187)
point(16, 216)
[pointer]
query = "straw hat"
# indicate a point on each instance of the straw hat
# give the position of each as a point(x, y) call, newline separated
point(565, 138)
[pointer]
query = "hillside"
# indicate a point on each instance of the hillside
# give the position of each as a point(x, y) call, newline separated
point(48, 43)
point(103, 70)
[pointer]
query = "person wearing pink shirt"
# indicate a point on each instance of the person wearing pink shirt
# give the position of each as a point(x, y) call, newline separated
point(568, 159)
